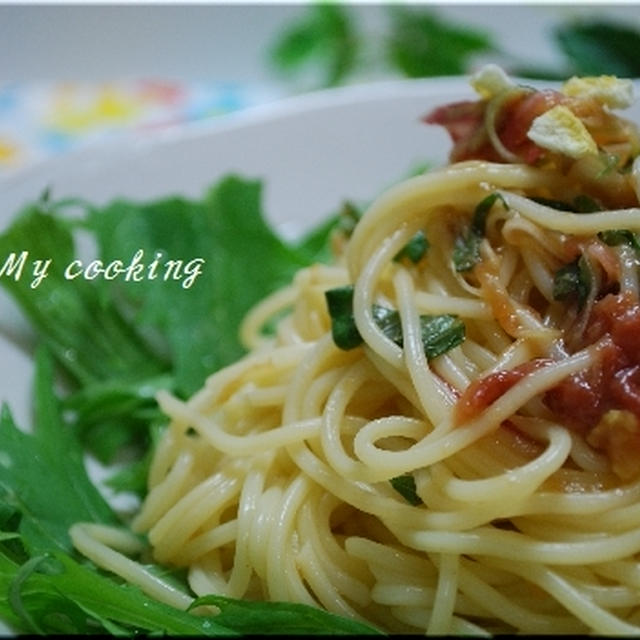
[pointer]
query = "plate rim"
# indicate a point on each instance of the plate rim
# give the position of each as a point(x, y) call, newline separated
point(140, 140)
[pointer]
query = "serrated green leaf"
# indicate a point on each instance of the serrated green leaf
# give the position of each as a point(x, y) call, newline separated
point(43, 476)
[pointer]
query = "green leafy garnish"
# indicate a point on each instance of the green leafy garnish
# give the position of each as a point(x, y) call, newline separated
point(244, 261)
point(466, 249)
point(572, 282)
point(439, 333)
point(120, 342)
point(405, 485)
point(117, 345)
point(90, 339)
point(42, 475)
point(59, 595)
point(44, 489)
point(479, 220)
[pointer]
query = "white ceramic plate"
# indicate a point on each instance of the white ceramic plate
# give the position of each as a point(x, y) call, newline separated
point(311, 152)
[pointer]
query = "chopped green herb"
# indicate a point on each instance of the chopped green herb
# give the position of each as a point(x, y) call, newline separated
point(466, 249)
point(415, 249)
point(615, 237)
point(481, 212)
point(573, 282)
point(585, 204)
point(405, 485)
point(55, 594)
point(389, 322)
point(560, 205)
point(439, 333)
point(580, 204)
point(343, 327)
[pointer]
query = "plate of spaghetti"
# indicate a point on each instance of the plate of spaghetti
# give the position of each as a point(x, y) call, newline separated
point(434, 425)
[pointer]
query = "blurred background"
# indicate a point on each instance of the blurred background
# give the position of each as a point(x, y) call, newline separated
point(74, 75)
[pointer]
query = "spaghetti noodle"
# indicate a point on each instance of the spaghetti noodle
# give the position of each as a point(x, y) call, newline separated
point(487, 484)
